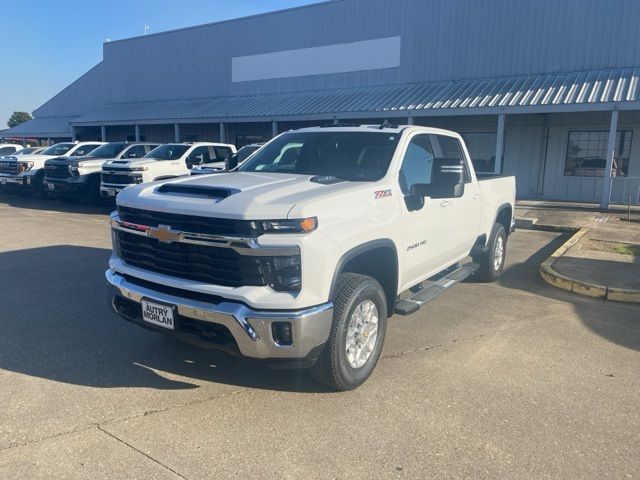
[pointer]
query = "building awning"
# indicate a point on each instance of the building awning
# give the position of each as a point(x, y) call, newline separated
point(44, 127)
point(549, 92)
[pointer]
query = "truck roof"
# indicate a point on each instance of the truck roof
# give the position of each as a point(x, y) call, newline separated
point(378, 128)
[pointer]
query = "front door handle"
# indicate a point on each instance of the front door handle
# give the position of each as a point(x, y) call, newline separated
point(445, 203)
point(476, 195)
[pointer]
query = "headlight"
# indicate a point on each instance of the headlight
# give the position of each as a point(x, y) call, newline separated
point(73, 170)
point(298, 225)
point(24, 166)
point(138, 169)
point(282, 273)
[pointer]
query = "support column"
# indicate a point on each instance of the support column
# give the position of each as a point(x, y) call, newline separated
point(103, 133)
point(611, 148)
point(499, 142)
point(176, 132)
point(73, 134)
point(274, 129)
point(48, 142)
point(410, 120)
point(223, 133)
point(137, 130)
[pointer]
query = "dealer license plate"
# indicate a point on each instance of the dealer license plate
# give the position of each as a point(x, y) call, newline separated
point(158, 313)
point(51, 186)
point(3, 181)
point(111, 192)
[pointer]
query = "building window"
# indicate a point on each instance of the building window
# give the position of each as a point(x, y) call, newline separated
point(587, 153)
point(482, 149)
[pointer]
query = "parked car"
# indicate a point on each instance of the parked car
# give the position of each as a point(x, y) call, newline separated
point(304, 260)
point(25, 173)
point(9, 149)
point(27, 151)
point(72, 178)
point(166, 161)
point(236, 159)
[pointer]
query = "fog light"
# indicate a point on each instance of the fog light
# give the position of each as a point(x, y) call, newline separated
point(281, 332)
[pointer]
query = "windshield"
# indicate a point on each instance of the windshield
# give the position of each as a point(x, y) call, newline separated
point(355, 156)
point(167, 152)
point(109, 150)
point(58, 149)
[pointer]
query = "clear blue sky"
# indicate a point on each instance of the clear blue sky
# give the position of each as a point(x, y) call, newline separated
point(47, 44)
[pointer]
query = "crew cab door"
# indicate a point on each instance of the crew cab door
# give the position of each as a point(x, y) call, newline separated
point(463, 213)
point(437, 232)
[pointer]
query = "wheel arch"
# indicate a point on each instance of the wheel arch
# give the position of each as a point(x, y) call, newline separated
point(377, 259)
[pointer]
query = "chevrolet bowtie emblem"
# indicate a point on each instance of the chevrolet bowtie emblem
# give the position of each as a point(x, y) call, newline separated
point(164, 234)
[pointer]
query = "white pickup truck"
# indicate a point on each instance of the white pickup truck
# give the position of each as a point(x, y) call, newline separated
point(301, 258)
point(25, 173)
point(166, 161)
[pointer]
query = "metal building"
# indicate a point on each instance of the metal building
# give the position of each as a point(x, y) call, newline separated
point(542, 89)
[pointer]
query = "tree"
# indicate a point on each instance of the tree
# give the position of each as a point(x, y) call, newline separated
point(17, 118)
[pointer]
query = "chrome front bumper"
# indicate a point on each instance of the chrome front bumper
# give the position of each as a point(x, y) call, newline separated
point(20, 179)
point(250, 328)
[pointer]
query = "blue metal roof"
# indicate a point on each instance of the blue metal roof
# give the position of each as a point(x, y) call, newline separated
point(42, 127)
point(587, 90)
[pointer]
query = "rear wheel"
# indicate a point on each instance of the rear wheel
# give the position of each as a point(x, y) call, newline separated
point(492, 260)
point(357, 333)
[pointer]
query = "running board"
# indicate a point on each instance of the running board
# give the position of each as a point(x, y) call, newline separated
point(412, 304)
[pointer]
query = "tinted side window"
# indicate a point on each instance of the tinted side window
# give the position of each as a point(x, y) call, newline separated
point(84, 149)
point(7, 151)
point(417, 163)
point(222, 153)
point(199, 156)
point(136, 151)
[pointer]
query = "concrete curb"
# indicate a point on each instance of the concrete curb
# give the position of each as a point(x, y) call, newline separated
point(556, 279)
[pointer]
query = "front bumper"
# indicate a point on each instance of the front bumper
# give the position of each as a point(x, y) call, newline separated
point(20, 180)
point(68, 186)
point(111, 191)
point(251, 329)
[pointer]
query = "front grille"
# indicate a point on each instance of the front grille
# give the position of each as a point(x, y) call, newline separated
point(56, 171)
point(10, 168)
point(120, 179)
point(212, 265)
point(187, 223)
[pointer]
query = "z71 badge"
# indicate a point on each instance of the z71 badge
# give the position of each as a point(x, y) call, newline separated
point(382, 194)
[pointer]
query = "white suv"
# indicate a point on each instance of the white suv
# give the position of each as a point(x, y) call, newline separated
point(166, 161)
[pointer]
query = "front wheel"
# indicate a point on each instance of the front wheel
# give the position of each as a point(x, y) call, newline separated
point(492, 260)
point(357, 333)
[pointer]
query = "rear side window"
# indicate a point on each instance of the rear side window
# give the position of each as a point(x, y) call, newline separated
point(222, 153)
point(417, 163)
point(84, 150)
point(7, 151)
point(449, 147)
point(136, 151)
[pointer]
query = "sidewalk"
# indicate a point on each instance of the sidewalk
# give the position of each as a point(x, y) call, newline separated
point(602, 260)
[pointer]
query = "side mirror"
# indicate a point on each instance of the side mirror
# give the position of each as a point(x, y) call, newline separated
point(231, 162)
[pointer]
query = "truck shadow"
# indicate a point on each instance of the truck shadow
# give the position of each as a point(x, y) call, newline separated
point(617, 322)
point(31, 202)
point(56, 324)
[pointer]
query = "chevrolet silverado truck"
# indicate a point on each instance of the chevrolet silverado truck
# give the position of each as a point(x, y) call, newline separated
point(72, 178)
point(166, 161)
point(25, 173)
point(301, 259)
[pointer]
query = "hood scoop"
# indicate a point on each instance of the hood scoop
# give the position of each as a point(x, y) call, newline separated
point(120, 162)
point(196, 191)
point(325, 179)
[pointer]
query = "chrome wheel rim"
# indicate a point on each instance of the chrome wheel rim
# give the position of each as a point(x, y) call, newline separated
point(362, 334)
point(498, 254)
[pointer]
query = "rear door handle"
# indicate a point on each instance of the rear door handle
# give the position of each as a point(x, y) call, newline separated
point(445, 203)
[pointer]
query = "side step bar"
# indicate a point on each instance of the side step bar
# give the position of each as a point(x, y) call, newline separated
point(412, 304)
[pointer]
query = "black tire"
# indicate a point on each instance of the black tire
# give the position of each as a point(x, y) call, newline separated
point(69, 198)
point(92, 193)
point(333, 368)
point(489, 271)
point(39, 190)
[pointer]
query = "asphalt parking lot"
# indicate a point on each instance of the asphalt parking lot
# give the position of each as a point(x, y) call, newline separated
point(508, 380)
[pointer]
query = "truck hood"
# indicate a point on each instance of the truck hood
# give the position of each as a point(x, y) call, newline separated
point(79, 161)
point(241, 195)
point(126, 164)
